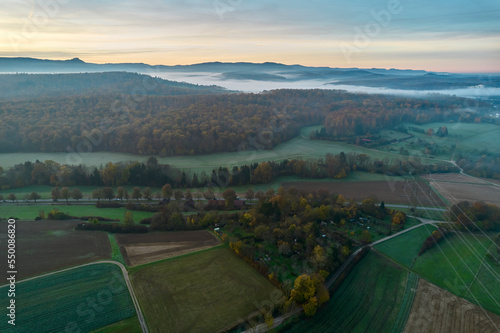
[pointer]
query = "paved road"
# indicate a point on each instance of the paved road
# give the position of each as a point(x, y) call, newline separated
point(140, 316)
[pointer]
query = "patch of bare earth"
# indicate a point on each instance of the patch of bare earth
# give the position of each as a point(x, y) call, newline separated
point(46, 245)
point(437, 310)
point(397, 192)
point(457, 187)
point(139, 249)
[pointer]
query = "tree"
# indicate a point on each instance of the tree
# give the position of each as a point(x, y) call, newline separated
point(262, 173)
point(188, 195)
point(108, 193)
point(310, 307)
point(250, 194)
point(34, 196)
point(260, 196)
point(146, 194)
point(65, 194)
point(12, 197)
point(178, 195)
point(136, 193)
point(303, 289)
point(1, 198)
point(76, 194)
point(229, 195)
point(55, 193)
point(167, 191)
point(128, 218)
point(120, 192)
point(209, 194)
point(97, 194)
point(366, 237)
point(398, 218)
point(368, 206)
point(126, 196)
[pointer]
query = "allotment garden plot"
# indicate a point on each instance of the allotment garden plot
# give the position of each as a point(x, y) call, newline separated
point(138, 249)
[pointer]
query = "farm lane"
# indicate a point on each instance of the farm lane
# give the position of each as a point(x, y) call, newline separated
point(140, 316)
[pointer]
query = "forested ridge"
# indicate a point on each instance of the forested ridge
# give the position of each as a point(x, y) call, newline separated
point(201, 124)
point(29, 86)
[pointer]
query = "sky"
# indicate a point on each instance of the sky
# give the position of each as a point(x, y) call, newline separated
point(435, 35)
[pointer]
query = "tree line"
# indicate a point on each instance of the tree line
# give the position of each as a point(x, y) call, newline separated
point(153, 174)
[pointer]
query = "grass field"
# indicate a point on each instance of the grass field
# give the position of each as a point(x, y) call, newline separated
point(45, 246)
point(29, 212)
point(85, 298)
point(130, 325)
point(458, 264)
point(369, 300)
point(405, 248)
point(200, 292)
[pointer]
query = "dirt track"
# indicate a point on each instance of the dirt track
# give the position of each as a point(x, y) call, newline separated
point(437, 310)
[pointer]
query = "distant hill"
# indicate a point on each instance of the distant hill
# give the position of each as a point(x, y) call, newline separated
point(50, 85)
point(268, 71)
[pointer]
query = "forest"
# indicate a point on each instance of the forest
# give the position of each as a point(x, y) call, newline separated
point(159, 118)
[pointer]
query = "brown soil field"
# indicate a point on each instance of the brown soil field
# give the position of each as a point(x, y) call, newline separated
point(456, 188)
point(453, 177)
point(437, 310)
point(44, 246)
point(139, 249)
point(396, 192)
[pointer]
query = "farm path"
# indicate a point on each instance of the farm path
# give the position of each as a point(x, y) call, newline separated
point(140, 316)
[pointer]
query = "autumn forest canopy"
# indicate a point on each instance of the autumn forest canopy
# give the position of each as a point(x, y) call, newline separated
point(131, 113)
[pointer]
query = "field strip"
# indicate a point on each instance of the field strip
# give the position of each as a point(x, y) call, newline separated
point(140, 316)
point(407, 302)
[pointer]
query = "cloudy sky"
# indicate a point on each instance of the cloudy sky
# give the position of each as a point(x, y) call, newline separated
point(437, 35)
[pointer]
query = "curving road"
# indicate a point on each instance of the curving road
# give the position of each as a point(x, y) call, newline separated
point(140, 316)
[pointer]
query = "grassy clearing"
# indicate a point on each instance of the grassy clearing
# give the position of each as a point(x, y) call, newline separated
point(130, 325)
point(405, 248)
point(469, 137)
point(116, 255)
point(369, 300)
point(85, 298)
point(29, 212)
point(458, 264)
point(298, 147)
point(201, 292)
